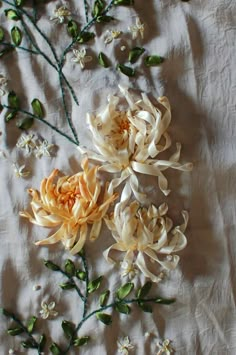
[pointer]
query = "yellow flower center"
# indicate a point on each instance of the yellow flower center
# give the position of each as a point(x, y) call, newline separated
point(124, 125)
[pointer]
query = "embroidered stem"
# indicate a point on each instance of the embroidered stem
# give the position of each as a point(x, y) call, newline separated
point(75, 286)
point(83, 257)
point(86, 10)
point(54, 128)
point(19, 47)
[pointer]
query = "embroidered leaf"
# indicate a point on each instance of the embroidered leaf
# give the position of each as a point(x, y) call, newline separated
point(122, 308)
point(68, 328)
point(13, 100)
point(55, 350)
point(104, 298)
point(29, 344)
point(95, 284)
point(98, 8)
point(19, 2)
point(124, 2)
point(104, 318)
point(70, 267)
point(15, 331)
point(72, 28)
point(103, 61)
point(50, 265)
point(11, 14)
point(67, 285)
point(25, 123)
point(37, 108)
point(143, 291)
point(153, 60)
point(124, 290)
point(16, 35)
point(85, 37)
point(10, 115)
point(81, 341)
point(31, 324)
point(125, 70)
point(81, 275)
point(104, 18)
point(145, 307)
point(1, 34)
point(42, 342)
point(164, 300)
point(135, 53)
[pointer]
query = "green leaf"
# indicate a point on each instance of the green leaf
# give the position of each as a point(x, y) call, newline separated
point(104, 19)
point(42, 342)
point(13, 100)
point(19, 3)
point(10, 115)
point(98, 8)
point(144, 290)
point(25, 123)
point(102, 60)
point(153, 60)
point(135, 53)
point(95, 284)
point(1, 34)
point(31, 324)
point(81, 275)
point(125, 70)
point(124, 2)
point(29, 344)
point(81, 341)
point(104, 318)
point(104, 298)
point(72, 28)
point(85, 37)
point(16, 35)
point(69, 267)
point(145, 307)
point(68, 328)
point(67, 285)
point(37, 108)
point(164, 300)
point(122, 308)
point(12, 14)
point(15, 331)
point(55, 350)
point(124, 290)
point(51, 266)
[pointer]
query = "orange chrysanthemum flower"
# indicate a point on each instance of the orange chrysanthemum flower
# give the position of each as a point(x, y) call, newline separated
point(71, 202)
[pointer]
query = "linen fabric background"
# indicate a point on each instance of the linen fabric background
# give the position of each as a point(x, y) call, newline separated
point(198, 76)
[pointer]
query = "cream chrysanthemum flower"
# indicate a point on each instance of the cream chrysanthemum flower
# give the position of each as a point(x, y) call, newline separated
point(144, 234)
point(129, 142)
point(71, 202)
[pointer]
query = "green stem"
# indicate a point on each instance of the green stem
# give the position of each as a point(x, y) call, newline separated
point(45, 122)
point(18, 47)
point(83, 257)
point(86, 10)
point(76, 287)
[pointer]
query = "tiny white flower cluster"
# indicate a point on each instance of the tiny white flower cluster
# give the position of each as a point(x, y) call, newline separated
point(60, 14)
point(137, 30)
point(48, 310)
point(80, 57)
point(33, 144)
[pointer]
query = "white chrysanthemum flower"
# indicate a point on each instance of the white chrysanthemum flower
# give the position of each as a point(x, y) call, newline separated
point(48, 310)
point(20, 171)
point(124, 346)
point(137, 29)
point(60, 14)
point(81, 57)
point(3, 83)
point(130, 141)
point(145, 234)
point(27, 142)
point(165, 348)
point(111, 35)
point(43, 149)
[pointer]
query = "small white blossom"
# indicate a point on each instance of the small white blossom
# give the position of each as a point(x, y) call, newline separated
point(48, 310)
point(129, 270)
point(20, 171)
point(123, 48)
point(124, 346)
point(43, 149)
point(137, 30)
point(60, 14)
point(112, 34)
point(3, 83)
point(165, 348)
point(27, 142)
point(81, 57)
